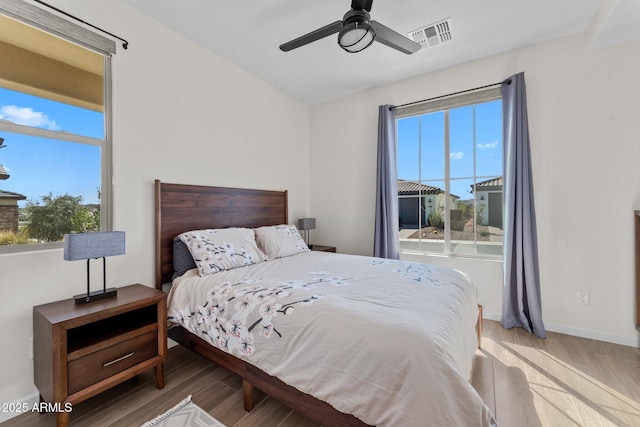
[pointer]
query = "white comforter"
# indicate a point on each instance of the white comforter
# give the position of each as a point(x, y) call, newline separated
point(390, 342)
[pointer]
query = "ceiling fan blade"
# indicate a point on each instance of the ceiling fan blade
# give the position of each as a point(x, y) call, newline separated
point(388, 37)
point(318, 34)
point(367, 5)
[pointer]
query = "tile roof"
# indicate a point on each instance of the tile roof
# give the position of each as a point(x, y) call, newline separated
point(11, 195)
point(489, 184)
point(405, 186)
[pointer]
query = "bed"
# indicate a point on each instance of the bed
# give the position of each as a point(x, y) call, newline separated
point(345, 340)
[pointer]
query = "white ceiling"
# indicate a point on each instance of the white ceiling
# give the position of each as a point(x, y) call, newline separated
point(248, 33)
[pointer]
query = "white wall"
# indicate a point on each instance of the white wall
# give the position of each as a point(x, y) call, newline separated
point(181, 114)
point(583, 118)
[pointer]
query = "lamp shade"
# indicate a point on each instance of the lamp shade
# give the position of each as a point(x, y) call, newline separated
point(93, 245)
point(306, 223)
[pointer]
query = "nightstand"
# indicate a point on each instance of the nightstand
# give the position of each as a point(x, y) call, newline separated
point(322, 248)
point(81, 350)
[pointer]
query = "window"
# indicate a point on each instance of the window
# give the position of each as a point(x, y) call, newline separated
point(450, 175)
point(55, 167)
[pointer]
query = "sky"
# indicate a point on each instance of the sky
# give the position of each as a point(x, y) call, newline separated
point(421, 147)
point(39, 166)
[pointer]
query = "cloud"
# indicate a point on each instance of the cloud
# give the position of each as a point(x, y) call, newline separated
point(456, 155)
point(488, 145)
point(26, 116)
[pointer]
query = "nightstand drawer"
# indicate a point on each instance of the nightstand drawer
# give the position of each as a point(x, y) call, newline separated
point(94, 367)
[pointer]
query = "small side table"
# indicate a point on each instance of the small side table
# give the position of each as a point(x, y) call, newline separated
point(81, 350)
point(322, 248)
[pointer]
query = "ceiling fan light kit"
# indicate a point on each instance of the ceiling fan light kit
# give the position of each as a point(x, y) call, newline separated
point(356, 36)
point(357, 32)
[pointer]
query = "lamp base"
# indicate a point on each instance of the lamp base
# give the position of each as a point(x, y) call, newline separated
point(95, 295)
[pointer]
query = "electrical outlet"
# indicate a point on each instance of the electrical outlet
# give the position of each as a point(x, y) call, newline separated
point(584, 298)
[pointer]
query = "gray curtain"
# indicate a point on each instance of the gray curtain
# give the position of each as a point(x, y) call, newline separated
point(387, 217)
point(521, 293)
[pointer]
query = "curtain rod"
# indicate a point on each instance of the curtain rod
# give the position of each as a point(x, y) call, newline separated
point(452, 94)
point(125, 43)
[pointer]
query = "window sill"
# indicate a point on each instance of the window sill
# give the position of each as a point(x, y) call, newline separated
point(29, 248)
point(478, 257)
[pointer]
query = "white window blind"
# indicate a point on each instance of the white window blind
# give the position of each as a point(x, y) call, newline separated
point(447, 102)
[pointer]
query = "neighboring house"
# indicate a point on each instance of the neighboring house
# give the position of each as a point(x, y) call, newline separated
point(9, 210)
point(417, 199)
point(8, 206)
point(489, 199)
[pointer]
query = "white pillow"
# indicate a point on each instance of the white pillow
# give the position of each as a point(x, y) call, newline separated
point(222, 249)
point(277, 241)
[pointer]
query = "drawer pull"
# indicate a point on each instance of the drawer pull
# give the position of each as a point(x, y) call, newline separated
point(126, 356)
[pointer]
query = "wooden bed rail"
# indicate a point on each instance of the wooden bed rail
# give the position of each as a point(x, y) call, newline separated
point(479, 326)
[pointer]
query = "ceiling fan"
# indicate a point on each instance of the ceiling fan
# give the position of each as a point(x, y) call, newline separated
point(356, 32)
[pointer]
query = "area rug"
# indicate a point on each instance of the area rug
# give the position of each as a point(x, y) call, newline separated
point(184, 414)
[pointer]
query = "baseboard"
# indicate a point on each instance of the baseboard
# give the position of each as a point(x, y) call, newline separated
point(20, 406)
point(593, 335)
point(490, 315)
point(579, 332)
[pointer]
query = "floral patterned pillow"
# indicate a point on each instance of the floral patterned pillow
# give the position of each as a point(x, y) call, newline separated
point(222, 249)
point(278, 241)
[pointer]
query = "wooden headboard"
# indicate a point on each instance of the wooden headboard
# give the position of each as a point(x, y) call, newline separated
point(181, 208)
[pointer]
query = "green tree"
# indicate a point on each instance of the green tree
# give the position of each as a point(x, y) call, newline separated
point(52, 217)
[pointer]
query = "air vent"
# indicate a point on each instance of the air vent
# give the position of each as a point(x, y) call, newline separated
point(434, 34)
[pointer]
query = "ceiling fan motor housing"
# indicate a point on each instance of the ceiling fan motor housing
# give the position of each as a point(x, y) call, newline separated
point(359, 16)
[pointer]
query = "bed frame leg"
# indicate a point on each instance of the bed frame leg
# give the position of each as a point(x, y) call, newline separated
point(247, 394)
point(479, 326)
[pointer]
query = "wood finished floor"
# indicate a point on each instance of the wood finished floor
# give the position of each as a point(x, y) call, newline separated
point(561, 381)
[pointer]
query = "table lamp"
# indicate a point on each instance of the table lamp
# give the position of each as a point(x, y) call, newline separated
point(306, 224)
point(94, 245)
